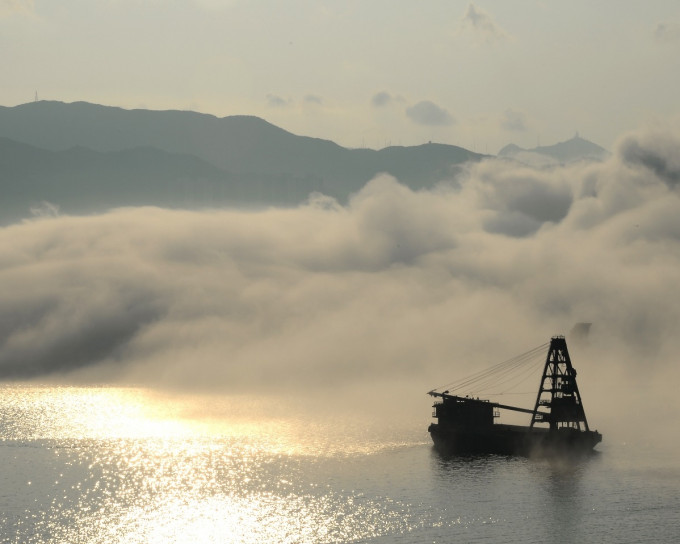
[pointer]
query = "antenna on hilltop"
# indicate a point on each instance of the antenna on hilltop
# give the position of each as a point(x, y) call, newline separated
point(36, 97)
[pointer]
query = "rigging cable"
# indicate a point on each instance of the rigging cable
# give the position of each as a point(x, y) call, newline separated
point(499, 373)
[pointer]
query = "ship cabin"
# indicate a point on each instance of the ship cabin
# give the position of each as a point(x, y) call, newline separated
point(463, 412)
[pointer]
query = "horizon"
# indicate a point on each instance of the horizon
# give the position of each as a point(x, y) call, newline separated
point(576, 136)
point(478, 75)
point(223, 305)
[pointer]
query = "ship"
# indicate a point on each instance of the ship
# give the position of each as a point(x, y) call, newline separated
point(558, 426)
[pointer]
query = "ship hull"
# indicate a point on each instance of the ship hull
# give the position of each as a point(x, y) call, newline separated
point(513, 440)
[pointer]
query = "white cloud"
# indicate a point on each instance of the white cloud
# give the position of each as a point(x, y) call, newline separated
point(45, 209)
point(655, 150)
point(429, 113)
point(402, 286)
point(522, 199)
point(482, 24)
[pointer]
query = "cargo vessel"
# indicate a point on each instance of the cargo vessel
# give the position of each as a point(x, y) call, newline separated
point(558, 425)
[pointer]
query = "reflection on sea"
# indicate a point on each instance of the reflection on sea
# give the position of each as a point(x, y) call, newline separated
point(127, 465)
point(515, 499)
point(117, 465)
point(517, 496)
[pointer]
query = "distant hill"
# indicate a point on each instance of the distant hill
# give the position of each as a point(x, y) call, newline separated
point(122, 155)
point(576, 149)
point(84, 181)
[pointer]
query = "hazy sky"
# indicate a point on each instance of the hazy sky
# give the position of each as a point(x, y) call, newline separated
point(477, 74)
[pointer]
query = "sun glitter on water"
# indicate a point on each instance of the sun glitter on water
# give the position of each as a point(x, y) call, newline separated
point(133, 465)
point(108, 413)
point(44, 412)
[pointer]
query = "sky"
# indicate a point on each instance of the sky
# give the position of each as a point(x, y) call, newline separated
point(363, 74)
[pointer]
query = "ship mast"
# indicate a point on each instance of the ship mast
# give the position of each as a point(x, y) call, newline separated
point(558, 391)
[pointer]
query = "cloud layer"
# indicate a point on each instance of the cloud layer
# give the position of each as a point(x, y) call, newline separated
point(397, 286)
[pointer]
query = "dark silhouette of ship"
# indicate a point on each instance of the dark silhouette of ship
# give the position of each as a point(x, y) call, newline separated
point(558, 420)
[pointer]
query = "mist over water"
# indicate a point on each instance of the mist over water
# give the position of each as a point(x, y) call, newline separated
point(390, 295)
point(121, 464)
point(260, 375)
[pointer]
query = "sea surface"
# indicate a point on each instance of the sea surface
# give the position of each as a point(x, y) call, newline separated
point(109, 465)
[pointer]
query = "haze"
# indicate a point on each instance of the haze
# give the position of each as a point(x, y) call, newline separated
point(394, 290)
point(475, 74)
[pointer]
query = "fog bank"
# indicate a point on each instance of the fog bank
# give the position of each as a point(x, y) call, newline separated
point(396, 289)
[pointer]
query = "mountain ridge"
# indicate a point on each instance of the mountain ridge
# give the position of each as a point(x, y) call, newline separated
point(217, 161)
point(233, 143)
point(574, 149)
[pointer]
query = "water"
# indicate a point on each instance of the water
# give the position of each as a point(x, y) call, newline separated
point(91, 465)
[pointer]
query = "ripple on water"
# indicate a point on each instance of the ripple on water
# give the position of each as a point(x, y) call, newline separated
point(128, 465)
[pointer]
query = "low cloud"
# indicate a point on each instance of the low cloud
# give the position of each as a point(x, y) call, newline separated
point(45, 209)
point(655, 150)
point(521, 199)
point(482, 24)
point(428, 113)
point(397, 286)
